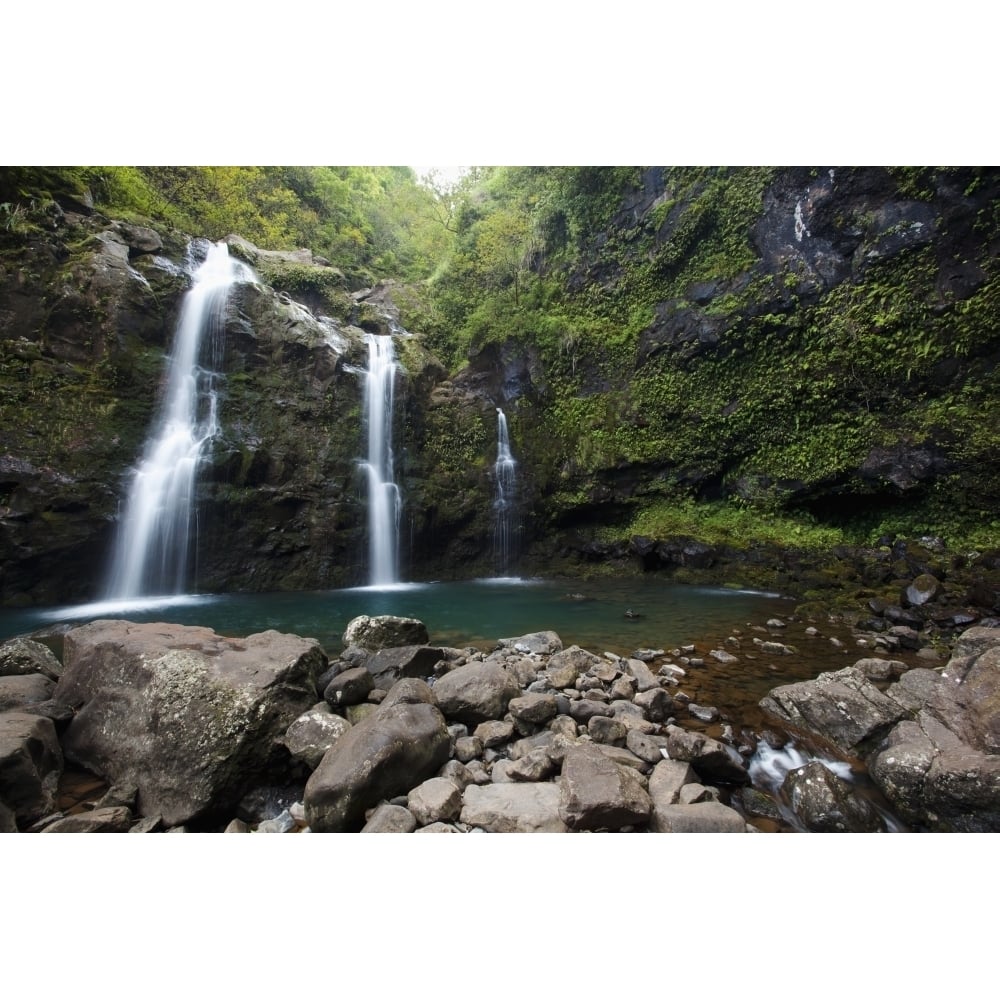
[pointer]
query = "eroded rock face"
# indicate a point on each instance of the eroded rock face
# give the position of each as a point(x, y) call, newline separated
point(191, 719)
point(389, 753)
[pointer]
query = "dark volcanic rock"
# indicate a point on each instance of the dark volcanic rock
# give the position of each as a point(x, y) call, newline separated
point(475, 693)
point(826, 803)
point(31, 764)
point(191, 719)
point(387, 754)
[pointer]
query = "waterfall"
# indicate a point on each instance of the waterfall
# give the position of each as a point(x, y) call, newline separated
point(384, 500)
point(155, 535)
point(505, 485)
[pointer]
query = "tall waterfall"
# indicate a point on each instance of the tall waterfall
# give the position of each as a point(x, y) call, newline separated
point(384, 500)
point(155, 535)
point(504, 511)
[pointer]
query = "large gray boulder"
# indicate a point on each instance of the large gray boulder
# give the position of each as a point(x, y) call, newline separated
point(191, 719)
point(389, 753)
point(843, 707)
point(598, 793)
point(539, 643)
point(384, 631)
point(31, 764)
point(941, 769)
point(476, 692)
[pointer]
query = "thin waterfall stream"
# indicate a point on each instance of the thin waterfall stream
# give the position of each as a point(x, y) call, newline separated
point(384, 498)
point(505, 488)
point(155, 535)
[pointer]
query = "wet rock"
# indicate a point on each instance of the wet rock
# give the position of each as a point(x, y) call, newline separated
point(388, 818)
point(513, 808)
point(705, 713)
point(843, 707)
point(722, 656)
point(475, 693)
point(387, 754)
point(825, 803)
point(31, 764)
point(313, 733)
point(758, 803)
point(713, 761)
point(190, 718)
point(597, 793)
point(383, 631)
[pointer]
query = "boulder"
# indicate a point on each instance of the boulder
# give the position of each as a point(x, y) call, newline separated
point(843, 707)
point(349, 687)
point(541, 643)
point(513, 808)
point(534, 709)
point(24, 689)
point(475, 693)
point(941, 770)
point(713, 761)
point(384, 631)
point(313, 733)
point(390, 665)
point(31, 764)
point(826, 803)
point(25, 656)
point(390, 752)
point(597, 793)
point(191, 719)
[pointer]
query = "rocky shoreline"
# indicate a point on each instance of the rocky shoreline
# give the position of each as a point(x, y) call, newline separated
point(191, 731)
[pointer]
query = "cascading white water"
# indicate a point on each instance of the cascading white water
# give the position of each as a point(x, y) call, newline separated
point(155, 535)
point(505, 487)
point(384, 499)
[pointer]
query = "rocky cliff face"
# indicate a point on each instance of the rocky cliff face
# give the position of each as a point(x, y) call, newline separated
point(820, 341)
point(89, 308)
